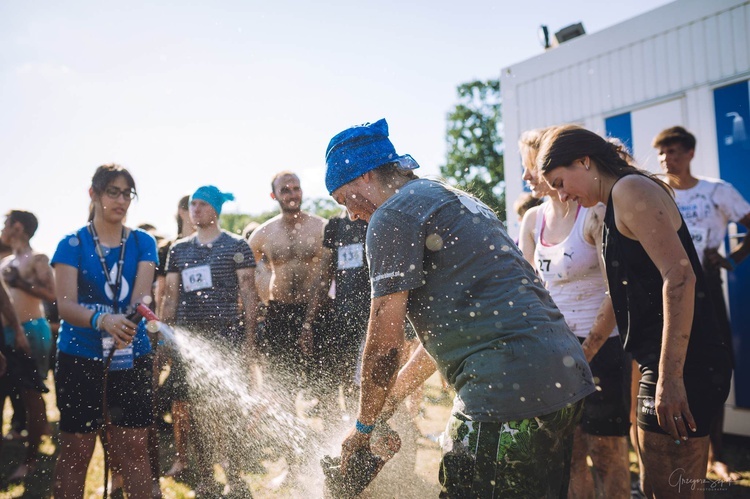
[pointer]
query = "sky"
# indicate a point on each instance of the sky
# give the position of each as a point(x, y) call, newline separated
point(230, 92)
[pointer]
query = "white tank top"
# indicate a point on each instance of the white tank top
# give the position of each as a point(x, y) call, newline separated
point(571, 274)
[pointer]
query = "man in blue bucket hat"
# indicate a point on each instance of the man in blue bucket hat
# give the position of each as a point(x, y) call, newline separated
point(441, 258)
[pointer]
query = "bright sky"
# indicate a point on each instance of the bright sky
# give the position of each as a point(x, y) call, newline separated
point(230, 92)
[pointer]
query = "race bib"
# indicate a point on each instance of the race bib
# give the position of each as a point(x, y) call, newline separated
point(351, 256)
point(699, 235)
point(196, 278)
point(122, 358)
point(550, 266)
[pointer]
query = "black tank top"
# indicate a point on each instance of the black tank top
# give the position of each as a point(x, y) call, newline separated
point(635, 285)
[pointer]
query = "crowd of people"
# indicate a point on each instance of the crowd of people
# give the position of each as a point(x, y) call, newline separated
point(606, 319)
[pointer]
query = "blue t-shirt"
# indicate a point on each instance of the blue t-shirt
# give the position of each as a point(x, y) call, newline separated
point(78, 250)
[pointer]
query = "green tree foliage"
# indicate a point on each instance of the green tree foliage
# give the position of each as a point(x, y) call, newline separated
point(474, 135)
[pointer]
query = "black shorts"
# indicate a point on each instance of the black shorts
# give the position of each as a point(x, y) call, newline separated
point(22, 373)
point(606, 412)
point(707, 387)
point(79, 381)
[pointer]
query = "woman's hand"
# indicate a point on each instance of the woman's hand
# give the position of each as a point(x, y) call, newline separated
point(672, 410)
point(120, 328)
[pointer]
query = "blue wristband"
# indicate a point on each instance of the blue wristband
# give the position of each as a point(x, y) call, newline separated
point(364, 428)
point(94, 318)
point(732, 262)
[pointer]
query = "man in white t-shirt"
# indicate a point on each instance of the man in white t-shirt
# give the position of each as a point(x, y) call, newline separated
point(707, 205)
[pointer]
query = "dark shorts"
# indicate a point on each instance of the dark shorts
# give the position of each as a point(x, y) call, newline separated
point(707, 388)
point(526, 458)
point(79, 394)
point(283, 326)
point(606, 412)
point(22, 373)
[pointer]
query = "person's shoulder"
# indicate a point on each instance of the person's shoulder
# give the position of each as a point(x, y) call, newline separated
point(231, 237)
point(631, 186)
point(182, 242)
point(39, 257)
point(710, 181)
point(144, 236)
point(313, 219)
point(72, 239)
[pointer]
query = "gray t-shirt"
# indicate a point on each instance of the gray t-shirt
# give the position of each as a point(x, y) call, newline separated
point(477, 305)
point(209, 287)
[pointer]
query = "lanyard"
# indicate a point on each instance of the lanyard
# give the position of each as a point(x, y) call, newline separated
point(114, 285)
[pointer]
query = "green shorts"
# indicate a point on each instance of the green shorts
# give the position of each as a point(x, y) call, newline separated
point(525, 458)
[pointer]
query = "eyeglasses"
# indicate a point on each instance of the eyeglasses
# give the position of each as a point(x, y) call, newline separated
point(114, 193)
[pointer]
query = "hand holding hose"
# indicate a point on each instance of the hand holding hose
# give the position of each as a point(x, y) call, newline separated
point(120, 328)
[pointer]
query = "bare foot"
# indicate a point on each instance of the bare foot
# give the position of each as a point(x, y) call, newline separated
point(723, 472)
point(22, 472)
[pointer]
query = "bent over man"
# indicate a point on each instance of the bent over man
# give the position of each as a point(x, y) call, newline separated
point(443, 259)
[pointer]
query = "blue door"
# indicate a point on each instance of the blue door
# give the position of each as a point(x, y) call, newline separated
point(620, 127)
point(732, 107)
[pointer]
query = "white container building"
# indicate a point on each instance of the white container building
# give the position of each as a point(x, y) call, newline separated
point(686, 63)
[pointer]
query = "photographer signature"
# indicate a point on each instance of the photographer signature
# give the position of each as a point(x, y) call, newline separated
point(676, 479)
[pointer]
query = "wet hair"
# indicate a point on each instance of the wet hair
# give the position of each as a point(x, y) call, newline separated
point(525, 202)
point(27, 220)
point(282, 173)
point(562, 145)
point(674, 135)
point(105, 175)
point(184, 204)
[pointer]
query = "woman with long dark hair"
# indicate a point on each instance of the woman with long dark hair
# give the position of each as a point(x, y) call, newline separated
point(663, 313)
point(562, 240)
point(102, 270)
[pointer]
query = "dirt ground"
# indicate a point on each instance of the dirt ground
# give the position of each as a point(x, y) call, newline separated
point(411, 474)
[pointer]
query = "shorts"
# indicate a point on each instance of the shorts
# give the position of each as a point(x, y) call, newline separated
point(21, 374)
point(283, 327)
point(39, 334)
point(525, 458)
point(79, 394)
point(707, 388)
point(606, 412)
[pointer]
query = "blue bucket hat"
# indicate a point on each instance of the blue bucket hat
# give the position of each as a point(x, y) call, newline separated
point(213, 196)
point(358, 150)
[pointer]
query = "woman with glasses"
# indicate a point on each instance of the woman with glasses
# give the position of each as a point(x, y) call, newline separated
point(102, 270)
point(663, 313)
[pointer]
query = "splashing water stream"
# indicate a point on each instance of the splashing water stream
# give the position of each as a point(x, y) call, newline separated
point(239, 422)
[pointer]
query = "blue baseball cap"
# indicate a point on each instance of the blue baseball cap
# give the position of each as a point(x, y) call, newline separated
point(213, 196)
point(358, 150)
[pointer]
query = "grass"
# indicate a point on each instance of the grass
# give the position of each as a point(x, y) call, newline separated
point(412, 473)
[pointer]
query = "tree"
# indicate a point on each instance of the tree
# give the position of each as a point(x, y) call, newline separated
point(474, 135)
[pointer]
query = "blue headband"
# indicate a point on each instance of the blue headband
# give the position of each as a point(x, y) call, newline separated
point(358, 150)
point(213, 196)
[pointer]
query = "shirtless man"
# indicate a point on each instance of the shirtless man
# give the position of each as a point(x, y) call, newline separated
point(290, 245)
point(30, 280)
